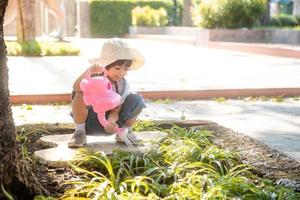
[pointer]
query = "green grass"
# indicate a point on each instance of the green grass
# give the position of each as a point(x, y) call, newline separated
point(220, 99)
point(186, 165)
point(36, 48)
point(277, 99)
point(164, 101)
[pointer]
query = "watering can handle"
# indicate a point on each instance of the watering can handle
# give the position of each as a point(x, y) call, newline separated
point(88, 74)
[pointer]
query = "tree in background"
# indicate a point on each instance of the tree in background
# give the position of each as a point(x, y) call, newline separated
point(186, 13)
point(16, 176)
point(26, 20)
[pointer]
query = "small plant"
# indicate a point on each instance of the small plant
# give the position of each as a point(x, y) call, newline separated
point(147, 16)
point(296, 98)
point(164, 101)
point(35, 48)
point(264, 98)
point(144, 126)
point(41, 197)
point(26, 107)
point(6, 194)
point(183, 117)
point(220, 99)
point(278, 99)
point(108, 184)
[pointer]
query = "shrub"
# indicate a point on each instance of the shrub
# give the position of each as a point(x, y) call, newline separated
point(284, 20)
point(147, 16)
point(35, 48)
point(113, 18)
point(298, 19)
point(29, 48)
point(228, 13)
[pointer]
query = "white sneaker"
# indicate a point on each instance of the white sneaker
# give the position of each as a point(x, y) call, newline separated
point(78, 139)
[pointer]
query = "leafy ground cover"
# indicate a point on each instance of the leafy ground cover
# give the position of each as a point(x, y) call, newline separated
point(41, 48)
point(196, 161)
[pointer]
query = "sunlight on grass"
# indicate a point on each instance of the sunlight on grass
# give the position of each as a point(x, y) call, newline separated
point(220, 99)
point(186, 165)
point(164, 101)
point(41, 48)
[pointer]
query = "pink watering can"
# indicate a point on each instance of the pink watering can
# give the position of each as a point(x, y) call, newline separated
point(98, 92)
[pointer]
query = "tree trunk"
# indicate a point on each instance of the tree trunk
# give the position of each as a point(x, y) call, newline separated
point(187, 18)
point(7, 129)
point(26, 20)
point(265, 20)
point(16, 174)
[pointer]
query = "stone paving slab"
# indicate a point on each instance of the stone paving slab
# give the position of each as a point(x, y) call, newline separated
point(59, 155)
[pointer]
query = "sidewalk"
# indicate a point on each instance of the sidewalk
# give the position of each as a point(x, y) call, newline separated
point(168, 67)
point(171, 66)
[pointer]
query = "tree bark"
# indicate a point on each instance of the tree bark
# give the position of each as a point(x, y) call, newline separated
point(7, 128)
point(186, 15)
point(26, 20)
point(15, 171)
point(265, 20)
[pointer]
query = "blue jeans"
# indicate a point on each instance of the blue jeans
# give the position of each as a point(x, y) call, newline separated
point(131, 108)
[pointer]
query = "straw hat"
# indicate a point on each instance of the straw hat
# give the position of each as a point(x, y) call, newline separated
point(115, 49)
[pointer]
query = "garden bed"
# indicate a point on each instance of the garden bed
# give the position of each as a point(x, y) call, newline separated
point(268, 163)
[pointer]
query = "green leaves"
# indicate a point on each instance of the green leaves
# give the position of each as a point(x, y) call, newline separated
point(228, 13)
point(186, 165)
point(147, 16)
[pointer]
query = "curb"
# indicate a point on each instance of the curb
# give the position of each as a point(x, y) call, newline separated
point(256, 49)
point(153, 95)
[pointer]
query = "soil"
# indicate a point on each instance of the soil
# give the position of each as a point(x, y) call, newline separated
point(268, 162)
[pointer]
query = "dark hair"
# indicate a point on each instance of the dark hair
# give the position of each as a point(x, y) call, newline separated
point(125, 63)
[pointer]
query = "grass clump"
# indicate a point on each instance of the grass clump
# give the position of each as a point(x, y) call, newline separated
point(185, 165)
point(36, 48)
point(220, 99)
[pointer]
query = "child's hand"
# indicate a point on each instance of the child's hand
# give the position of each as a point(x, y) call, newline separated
point(96, 69)
point(111, 127)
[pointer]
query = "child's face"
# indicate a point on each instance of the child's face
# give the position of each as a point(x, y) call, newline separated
point(117, 72)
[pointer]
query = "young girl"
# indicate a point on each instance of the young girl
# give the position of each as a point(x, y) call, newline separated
point(117, 58)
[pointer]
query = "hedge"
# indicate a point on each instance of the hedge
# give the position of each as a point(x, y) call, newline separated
point(228, 13)
point(284, 20)
point(112, 18)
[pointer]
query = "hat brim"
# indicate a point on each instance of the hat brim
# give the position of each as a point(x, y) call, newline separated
point(137, 58)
